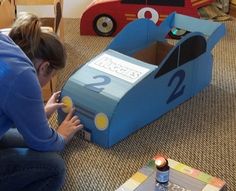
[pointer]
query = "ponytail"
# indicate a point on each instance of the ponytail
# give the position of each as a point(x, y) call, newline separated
point(27, 34)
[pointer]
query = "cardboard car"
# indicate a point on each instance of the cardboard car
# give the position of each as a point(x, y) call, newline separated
point(140, 76)
point(108, 17)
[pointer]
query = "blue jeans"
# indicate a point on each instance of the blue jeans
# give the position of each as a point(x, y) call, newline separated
point(24, 169)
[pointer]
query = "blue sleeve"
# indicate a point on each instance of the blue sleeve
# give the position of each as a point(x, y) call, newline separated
point(24, 106)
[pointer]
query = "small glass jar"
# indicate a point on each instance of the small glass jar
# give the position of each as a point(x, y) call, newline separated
point(163, 169)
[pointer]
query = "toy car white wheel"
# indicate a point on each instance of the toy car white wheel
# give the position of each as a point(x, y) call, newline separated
point(104, 25)
point(177, 33)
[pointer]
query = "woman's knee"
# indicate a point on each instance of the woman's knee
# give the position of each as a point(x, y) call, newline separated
point(45, 169)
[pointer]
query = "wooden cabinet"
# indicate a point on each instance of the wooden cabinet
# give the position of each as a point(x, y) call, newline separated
point(232, 10)
point(7, 13)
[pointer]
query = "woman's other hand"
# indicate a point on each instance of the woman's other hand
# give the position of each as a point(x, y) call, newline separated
point(53, 105)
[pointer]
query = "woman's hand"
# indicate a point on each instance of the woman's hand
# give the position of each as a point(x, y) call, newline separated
point(52, 104)
point(69, 126)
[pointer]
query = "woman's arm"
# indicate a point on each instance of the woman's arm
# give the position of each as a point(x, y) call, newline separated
point(24, 106)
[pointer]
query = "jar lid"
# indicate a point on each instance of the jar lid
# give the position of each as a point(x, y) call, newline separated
point(160, 161)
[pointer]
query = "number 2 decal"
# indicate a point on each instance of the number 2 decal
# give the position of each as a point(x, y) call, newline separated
point(96, 86)
point(178, 90)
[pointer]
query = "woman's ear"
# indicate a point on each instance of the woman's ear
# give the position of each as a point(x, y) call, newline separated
point(43, 68)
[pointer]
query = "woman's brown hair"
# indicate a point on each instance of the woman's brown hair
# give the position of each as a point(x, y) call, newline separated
point(26, 32)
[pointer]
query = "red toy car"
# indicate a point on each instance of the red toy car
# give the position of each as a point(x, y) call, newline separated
point(108, 17)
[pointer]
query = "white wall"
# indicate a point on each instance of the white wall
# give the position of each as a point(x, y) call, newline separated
point(72, 9)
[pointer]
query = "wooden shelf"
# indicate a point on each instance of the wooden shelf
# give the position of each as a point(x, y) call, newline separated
point(34, 2)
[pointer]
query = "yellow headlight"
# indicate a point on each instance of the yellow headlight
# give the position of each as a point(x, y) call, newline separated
point(101, 121)
point(68, 104)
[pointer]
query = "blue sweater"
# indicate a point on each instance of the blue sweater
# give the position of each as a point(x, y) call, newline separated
point(21, 103)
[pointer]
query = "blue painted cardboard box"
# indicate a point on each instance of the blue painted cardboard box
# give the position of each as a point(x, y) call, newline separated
point(140, 76)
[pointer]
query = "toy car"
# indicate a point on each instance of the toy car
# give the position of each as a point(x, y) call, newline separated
point(140, 76)
point(108, 17)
